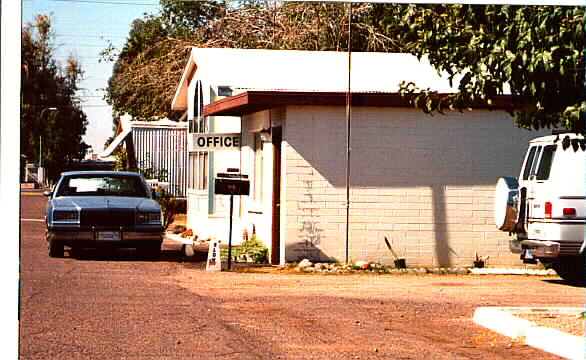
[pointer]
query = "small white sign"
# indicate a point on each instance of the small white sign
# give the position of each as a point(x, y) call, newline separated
point(213, 142)
point(214, 263)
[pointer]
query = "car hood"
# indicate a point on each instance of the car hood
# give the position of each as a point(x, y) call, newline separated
point(105, 202)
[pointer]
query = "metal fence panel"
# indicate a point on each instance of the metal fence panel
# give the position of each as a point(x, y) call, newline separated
point(163, 150)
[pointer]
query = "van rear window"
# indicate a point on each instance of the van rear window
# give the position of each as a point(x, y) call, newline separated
point(546, 161)
point(529, 163)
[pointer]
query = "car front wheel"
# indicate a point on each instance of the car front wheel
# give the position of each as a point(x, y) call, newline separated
point(55, 248)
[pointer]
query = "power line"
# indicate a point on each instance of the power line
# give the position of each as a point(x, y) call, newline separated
point(74, 45)
point(103, 37)
point(106, 2)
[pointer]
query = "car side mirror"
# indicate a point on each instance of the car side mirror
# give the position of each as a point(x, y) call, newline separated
point(48, 193)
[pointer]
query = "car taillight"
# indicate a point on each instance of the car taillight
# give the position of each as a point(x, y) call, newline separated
point(569, 212)
point(66, 215)
point(548, 210)
point(149, 217)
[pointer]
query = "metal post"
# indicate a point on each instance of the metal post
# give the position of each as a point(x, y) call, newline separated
point(348, 128)
point(41, 137)
point(40, 151)
point(230, 233)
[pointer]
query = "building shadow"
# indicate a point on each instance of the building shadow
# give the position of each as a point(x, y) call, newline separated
point(307, 250)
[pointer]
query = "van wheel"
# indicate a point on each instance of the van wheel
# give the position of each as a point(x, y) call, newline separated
point(572, 269)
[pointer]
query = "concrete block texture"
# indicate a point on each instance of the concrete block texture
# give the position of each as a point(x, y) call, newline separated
point(426, 182)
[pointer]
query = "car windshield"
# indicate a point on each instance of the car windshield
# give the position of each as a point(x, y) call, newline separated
point(102, 185)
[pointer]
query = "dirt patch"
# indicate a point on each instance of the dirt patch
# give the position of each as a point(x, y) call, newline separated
point(370, 316)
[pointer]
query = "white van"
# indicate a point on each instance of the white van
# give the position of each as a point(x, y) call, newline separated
point(545, 208)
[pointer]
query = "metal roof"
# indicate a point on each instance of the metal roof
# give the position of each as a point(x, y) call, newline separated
point(295, 70)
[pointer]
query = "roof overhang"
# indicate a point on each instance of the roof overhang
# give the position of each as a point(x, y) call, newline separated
point(253, 101)
point(122, 132)
point(180, 99)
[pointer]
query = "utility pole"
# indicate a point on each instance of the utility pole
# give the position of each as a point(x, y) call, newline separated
point(40, 171)
point(41, 136)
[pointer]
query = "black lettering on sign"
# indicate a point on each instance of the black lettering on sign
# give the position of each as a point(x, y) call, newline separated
point(236, 141)
point(209, 140)
point(201, 142)
point(228, 142)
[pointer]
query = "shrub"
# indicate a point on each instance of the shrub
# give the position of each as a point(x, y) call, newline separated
point(255, 249)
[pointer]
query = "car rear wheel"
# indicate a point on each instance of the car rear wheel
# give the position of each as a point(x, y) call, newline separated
point(572, 269)
point(56, 248)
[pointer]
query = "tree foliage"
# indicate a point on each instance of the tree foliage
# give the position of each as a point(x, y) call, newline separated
point(149, 67)
point(47, 85)
point(535, 52)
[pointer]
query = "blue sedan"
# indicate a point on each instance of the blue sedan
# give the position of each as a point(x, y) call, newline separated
point(92, 209)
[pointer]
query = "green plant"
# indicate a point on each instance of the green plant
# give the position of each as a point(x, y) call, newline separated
point(255, 249)
point(170, 207)
point(149, 171)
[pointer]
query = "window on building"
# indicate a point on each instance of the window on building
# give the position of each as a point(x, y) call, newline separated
point(198, 163)
point(258, 167)
point(197, 123)
point(224, 91)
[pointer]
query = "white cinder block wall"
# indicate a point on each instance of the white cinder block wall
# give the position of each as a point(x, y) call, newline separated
point(425, 182)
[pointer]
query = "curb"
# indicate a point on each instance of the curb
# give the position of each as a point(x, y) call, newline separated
point(502, 321)
point(511, 271)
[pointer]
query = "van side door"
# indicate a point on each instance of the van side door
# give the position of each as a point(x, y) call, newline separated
point(526, 192)
point(538, 189)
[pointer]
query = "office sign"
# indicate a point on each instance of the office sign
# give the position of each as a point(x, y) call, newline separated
point(213, 142)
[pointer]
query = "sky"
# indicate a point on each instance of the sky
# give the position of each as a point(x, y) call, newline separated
point(83, 28)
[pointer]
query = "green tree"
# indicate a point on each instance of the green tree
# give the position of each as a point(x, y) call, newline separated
point(49, 85)
point(535, 51)
point(149, 67)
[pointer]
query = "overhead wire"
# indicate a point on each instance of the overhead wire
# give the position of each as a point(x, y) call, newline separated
point(107, 2)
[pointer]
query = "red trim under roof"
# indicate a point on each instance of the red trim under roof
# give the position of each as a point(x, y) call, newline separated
point(253, 101)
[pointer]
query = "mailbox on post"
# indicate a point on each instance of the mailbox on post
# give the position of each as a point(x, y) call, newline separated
point(231, 184)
